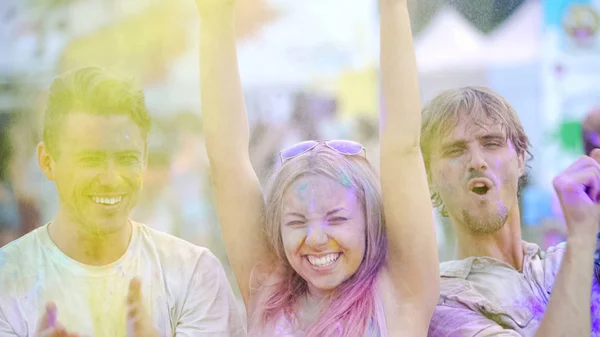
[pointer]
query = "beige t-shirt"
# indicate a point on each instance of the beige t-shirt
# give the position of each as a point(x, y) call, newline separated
point(481, 296)
point(184, 287)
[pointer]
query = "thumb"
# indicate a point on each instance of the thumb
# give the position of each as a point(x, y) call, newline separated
point(48, 319)
point(595, 154)
point(51, 313)
point(135, 291)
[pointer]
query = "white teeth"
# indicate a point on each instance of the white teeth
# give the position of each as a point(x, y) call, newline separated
point(323, 261)
point(107, 201)
point(480, 185)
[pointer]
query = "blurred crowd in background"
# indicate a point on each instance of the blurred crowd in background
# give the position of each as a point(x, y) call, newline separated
point(310, 70)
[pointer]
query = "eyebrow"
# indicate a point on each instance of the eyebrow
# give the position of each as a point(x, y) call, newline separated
point(333, 211)
point(494, 136)
point(295, 214)
point(463, 143)
point(90, 153)
point(130, 152)
point(103, 153)
point(454, 143)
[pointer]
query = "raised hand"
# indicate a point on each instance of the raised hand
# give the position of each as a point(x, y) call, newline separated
point(48, 325)
point(139, 322)
point(578, 188)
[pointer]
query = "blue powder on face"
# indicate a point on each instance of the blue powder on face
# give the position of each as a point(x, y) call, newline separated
point(345, 179)
point(301, 189)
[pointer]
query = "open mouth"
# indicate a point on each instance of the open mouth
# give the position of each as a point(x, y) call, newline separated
point(480, 189)
point(324, 260)
point(480, 186)
point(105, 201)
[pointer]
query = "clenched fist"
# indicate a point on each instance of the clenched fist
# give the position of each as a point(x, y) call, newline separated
point(578, 188)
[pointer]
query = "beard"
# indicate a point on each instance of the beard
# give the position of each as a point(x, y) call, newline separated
point(487, 222)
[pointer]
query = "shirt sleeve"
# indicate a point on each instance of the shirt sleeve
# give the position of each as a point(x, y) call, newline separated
point(451, 322)
point(5, 328)
point(210, 308)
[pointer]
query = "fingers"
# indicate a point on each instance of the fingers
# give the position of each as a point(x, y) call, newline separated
point(134, 318)
point(595, 154)
point(135, 291)
point(134, 300)
point(58, 331)
point(133, 310)
point(585, 161)
point(586, 180)
point(49, 326)
point(51, 314)
point(48, 319)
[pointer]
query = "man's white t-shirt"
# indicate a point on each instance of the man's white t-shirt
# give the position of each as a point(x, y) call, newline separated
point(184, 287)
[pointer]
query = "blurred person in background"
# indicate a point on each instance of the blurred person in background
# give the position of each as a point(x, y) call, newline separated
point(190, 183)
point(591, 141)
point(591, 130)
point(92, 270)
point(311, 116)
point(475, 150)
point(37, 197)
point(10, 218)
point(157, 205)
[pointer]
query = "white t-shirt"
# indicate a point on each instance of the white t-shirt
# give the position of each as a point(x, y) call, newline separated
point(184, 287)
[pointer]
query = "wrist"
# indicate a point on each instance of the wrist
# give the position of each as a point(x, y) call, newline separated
point(582, 241)
point(388, 3)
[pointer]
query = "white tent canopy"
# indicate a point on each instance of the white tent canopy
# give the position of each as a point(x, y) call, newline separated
point(451, 42)
point(309, 41)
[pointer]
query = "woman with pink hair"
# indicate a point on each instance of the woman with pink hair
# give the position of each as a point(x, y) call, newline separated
point(325, 252)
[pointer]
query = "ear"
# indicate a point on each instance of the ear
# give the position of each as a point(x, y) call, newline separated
point(521, 161)
point(145, 156)
point(45, 161)
point(428, 172)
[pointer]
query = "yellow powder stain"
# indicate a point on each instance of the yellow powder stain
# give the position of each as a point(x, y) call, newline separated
point(108, 308)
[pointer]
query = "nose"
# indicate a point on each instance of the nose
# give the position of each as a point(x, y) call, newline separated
point(477, 160)
point(110, 176)
point(317, 236)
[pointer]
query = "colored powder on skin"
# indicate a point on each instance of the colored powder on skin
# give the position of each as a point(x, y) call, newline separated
point(300, 190)
point(595, 307)
point(455, 160)
point(345, 179)
point(52, 318)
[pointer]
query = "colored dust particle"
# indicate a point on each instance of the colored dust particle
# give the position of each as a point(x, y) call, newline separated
point(568, 135)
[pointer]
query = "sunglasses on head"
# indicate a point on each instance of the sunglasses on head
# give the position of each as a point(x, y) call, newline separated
point(345, 147)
